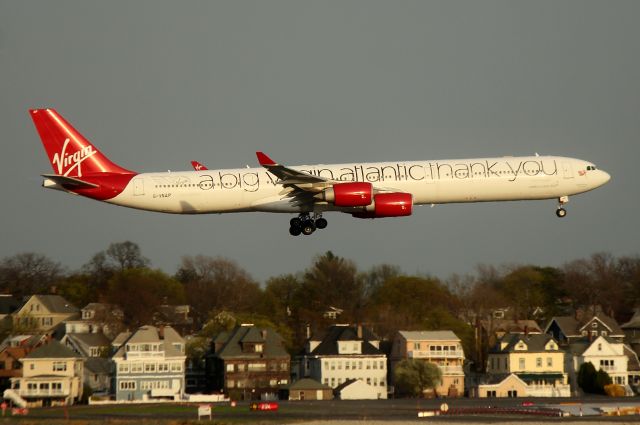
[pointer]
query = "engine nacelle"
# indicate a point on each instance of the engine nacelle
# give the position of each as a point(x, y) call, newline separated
point(355, 194)
point(388, 205)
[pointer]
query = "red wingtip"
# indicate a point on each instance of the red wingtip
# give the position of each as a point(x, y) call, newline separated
point(197, 166)
point(264, 159)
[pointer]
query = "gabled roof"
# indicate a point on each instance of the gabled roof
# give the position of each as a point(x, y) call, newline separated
point(84, 342)
point(150, 334)
point(572, 327)
point(57, 304)
point(53, 350)
point(634, 322)
point(535, 343)
point(232, 343)
point(329, 344)
point(429, 335)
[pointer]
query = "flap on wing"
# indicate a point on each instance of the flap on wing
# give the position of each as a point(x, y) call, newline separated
point(69, 181)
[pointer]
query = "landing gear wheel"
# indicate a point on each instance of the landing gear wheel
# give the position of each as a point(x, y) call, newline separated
point(295, 222)
point(561, 212)
point(321, 223)
point(308, 228)
point(295, 230)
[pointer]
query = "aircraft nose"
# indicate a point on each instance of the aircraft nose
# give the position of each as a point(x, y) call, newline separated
point(604, 177)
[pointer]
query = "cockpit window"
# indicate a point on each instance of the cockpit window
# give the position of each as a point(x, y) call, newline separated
point(591, 167)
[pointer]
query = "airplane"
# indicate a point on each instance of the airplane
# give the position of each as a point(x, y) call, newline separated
point(364, 190)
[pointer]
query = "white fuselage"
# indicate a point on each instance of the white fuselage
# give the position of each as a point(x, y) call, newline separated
point(430, 182)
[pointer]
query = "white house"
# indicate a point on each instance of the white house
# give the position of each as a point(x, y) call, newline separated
point(608, 355)
point(346, 353)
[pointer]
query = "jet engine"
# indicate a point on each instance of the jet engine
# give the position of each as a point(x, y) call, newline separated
point(394, 204)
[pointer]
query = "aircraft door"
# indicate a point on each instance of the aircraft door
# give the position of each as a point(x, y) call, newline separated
point(567, 170)
point(138, 187)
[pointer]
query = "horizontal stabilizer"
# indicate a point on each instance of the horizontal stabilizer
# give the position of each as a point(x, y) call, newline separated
point(69, 181)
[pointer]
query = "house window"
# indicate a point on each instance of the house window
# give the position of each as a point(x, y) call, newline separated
point(59, 366)
point(231, 383)
point(333, 365)
point(512, 393)
point(149, 367)
point(127, 385)
point(381, 364)
point(56, 387)
point(176, 367)
point(521, 363)
point(538, 361)
point(491, 393)
point(594, 325)
point(603, 333)
point(230, 367)
point(1, 365)
point(599, 347)
point(594, 333)
point(549, 361)
point(163, 367)
point(416, 346)
point(123, 368)
point(136, 368)
point(258, 348)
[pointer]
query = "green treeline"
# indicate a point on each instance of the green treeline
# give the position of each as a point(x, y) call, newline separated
point(221, 293)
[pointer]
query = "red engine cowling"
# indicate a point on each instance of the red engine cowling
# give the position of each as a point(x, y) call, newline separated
point(356, 194)
point(388, 205)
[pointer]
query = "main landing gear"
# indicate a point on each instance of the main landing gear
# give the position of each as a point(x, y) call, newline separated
point(305, 224)
point(561, 212)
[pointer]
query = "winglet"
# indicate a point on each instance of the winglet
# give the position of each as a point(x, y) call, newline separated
point(197, 166)
point(264, 160)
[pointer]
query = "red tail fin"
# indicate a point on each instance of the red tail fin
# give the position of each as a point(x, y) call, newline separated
point(69, 152)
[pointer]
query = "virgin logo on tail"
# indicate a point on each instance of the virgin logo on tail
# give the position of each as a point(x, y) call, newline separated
point(74, 160)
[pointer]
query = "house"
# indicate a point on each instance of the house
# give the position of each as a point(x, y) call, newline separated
point(176, 316)
point(332, 313)
point(43, 313)
point(97, 318)
point(496, 328)
point(10, 365)
point(249, 362)
point(587, 325)
point(631, 330)
point(52, 375)
point(606, 354)
point(87, 344)
point(503, 386)
point(97, 374)
point(442, 348)
point(306, 389)
point(149, 364)
point(346, 353)
point(536, 360)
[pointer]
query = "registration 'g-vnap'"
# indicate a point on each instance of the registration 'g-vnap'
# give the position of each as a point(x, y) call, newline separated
point(364, 190)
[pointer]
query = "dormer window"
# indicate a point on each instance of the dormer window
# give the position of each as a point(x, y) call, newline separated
point(258, 348)
point(594, 325)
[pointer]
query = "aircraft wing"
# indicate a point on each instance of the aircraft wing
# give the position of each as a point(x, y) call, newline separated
point(290, 177)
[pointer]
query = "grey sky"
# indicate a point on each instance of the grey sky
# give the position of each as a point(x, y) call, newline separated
point(156, 84)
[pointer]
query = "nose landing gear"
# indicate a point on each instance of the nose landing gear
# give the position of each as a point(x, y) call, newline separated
point(305, 224)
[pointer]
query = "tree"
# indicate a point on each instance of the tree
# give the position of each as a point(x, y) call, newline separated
point(28, 273)
point(126, 255)
point(217, 284)
point(413, 377)
point(139, 292)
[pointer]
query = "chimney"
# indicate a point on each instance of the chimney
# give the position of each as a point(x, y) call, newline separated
point(359, 331)
point(308, 330)
point(263, 333)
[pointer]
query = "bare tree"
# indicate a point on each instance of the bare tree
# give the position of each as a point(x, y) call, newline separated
point(28, 273)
